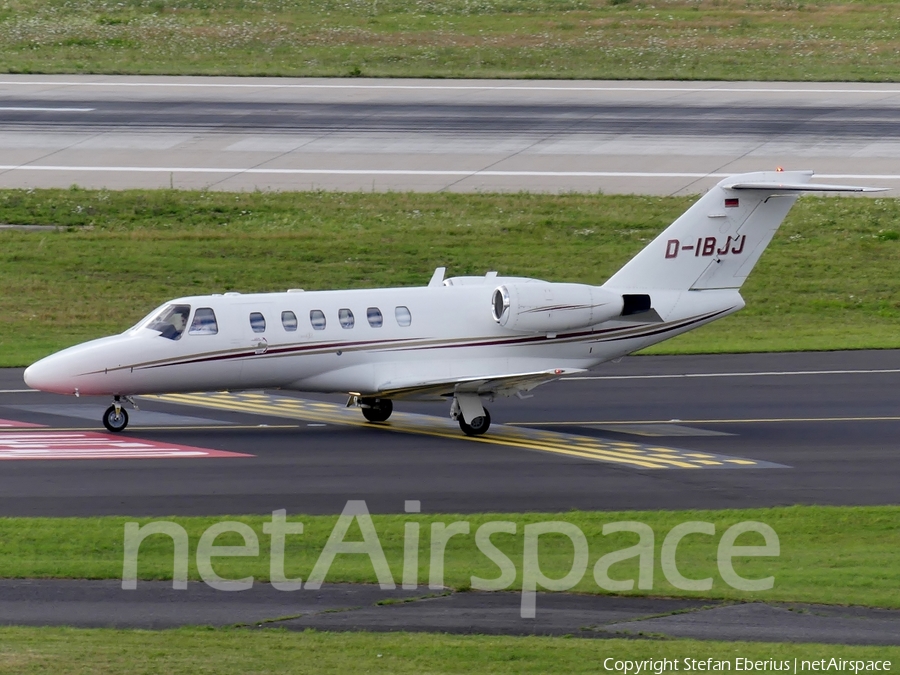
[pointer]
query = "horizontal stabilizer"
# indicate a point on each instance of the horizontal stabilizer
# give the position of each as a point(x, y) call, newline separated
point(801, 187)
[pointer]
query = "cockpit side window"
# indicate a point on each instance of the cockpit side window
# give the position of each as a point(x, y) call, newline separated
point(204, 322)
point(171, 321)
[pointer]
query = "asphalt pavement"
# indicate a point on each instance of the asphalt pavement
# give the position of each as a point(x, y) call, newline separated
point(339, 607)
point(816, 428)
point(807, 428)
point(430, 135)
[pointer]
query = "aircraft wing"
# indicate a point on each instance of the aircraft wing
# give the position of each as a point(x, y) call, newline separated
point(498, 385)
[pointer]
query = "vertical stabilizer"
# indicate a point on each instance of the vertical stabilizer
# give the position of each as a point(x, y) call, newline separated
point(716, 242)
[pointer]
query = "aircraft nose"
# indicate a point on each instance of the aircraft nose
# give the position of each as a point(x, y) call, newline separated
point(38, 375)
point(48, 374)
point(28, 376)
point(91, 369)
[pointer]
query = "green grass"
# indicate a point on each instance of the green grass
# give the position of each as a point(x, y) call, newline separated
point(828, 280)
point(65, 651)
point(614, 39)
point(833, 555)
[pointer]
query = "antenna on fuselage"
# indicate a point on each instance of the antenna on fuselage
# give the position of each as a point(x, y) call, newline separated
point(437, 279)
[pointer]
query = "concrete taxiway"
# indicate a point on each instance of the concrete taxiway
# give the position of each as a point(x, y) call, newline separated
point(461, 135)
point(645, 433)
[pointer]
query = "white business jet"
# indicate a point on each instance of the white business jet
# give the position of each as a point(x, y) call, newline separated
point(464, 340)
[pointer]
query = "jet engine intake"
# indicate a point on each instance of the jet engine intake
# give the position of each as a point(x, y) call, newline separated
point(542, 307)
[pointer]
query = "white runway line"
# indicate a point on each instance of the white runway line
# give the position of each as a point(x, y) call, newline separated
point(449, 87)
point(30, 109)
point(772, 373)
point(356, 172)
point(407, 172)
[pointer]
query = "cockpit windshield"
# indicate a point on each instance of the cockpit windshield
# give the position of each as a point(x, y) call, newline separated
point(170, 322)
point(143, 322)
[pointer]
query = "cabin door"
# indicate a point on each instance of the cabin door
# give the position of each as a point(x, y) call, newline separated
point(260, 331)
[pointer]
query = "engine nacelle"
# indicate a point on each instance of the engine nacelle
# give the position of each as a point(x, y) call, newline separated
point(542, 307)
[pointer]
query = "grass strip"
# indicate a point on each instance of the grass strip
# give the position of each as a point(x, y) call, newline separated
point(828, 280)
point(68, 651)
point(609, 39)
point(832, 555)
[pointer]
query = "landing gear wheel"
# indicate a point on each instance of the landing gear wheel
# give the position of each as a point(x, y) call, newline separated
point(478, 426)
point(377, 409)
point(115, 421)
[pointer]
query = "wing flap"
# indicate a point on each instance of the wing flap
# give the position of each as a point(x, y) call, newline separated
point(498, 385)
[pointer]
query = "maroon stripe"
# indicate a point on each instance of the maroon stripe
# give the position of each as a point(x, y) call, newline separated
point(279, 350)
point(659, 331)
point(557, 307)
point(569, 336)
point(483, 343)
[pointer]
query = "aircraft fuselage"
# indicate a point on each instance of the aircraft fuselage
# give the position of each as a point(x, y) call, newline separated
point(360, 341)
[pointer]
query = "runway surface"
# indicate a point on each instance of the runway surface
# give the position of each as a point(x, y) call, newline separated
point(460, 135)
point(336, 607)
point(646, 433)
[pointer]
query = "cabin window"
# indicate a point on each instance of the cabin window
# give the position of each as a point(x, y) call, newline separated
point(257, 322)
point(373, 314)
point(317, 319)
point(289, 321)
point(171, 321)
point(204, 322)
point(345, 316)
point(404, 318)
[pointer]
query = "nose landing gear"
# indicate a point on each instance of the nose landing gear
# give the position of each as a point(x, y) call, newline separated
point(116, 418)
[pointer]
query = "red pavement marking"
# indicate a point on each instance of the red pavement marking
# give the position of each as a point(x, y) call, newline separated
point(12, 424)
point(91, 445)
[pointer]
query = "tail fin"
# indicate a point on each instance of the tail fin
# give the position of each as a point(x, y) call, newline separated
point(717, 241)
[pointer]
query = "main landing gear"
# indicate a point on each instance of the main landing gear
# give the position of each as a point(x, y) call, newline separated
point(473, 418)
point(478, 426)
point(376, 409)
point(116, 418)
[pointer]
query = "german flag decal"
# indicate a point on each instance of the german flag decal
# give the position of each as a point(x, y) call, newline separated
point(731, 203)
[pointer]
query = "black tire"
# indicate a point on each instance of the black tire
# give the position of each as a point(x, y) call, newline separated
point(377, 409)
point(478, 426)
point(113, 422)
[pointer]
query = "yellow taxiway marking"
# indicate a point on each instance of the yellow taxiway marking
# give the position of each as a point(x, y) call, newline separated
point(137, 427)
point(759, 420)
point(336, 414)
point(586, 447)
